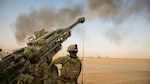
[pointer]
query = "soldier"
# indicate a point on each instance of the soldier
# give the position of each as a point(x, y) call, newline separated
point(71, 66)
point(35, 70)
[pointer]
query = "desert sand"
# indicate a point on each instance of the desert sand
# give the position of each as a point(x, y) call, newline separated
point(115, 71)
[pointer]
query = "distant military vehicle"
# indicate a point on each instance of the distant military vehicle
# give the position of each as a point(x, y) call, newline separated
point(49, 43)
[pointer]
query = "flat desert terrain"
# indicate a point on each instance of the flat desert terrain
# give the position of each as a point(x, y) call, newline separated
point(115, 71)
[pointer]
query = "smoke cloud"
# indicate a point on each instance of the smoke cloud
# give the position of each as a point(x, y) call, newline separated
point(117, 11)
point(105, 9)
point(48, 18)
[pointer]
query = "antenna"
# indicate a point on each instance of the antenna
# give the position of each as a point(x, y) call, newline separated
point(82, 79)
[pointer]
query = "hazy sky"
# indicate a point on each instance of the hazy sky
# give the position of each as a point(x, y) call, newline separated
point(113, 28)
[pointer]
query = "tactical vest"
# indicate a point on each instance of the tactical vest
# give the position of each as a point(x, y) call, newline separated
point(71, 68)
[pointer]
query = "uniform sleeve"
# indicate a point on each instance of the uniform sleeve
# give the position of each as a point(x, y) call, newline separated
point(60, 60)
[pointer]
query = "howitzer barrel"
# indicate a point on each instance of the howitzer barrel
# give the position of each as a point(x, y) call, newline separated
point(51, 39)
point(59, 32)
point(80, 20)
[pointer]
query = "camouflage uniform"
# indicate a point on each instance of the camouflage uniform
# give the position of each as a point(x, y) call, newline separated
point(34, 73)
point(70, 70)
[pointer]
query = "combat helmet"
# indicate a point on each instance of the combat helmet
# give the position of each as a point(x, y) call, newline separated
point(72, 48)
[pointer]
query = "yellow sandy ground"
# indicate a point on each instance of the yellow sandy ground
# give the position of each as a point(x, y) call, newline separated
point(115, 71)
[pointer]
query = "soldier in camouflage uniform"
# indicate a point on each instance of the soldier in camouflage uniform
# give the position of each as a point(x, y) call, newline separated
point(71, 66)
point(35, 70)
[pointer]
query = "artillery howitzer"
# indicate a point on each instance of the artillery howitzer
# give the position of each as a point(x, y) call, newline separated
point(48, 43)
